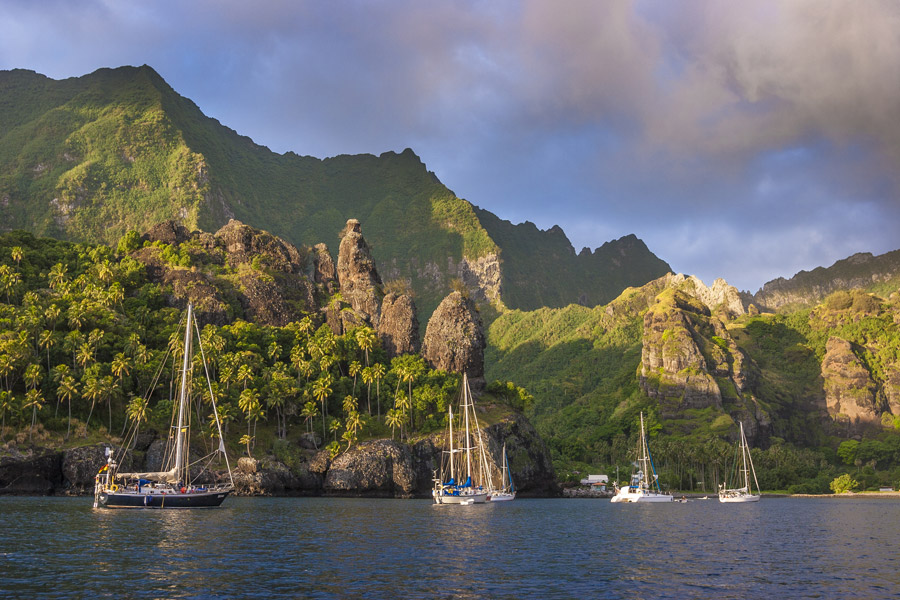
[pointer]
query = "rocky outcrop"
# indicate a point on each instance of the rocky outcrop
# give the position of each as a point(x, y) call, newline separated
point(382, 468)
point(529, 459)
point(269, 477)
point(324, 273)
point(357, 275)
point(272, 286)
point(41, 474)
point(673, 368)
point(341, 317)
point(482, 276)
point(454, 339)
point(244, 244)
point(398, 328)
point(690, 361)
point(850, 393)
point(167, 232)
point(720, 298)
point(891, 389)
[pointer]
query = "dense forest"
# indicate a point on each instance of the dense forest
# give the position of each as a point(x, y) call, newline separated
point(87, 346)
point(85, 335)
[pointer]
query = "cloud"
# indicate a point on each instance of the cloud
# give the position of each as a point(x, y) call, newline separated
point(688, 123)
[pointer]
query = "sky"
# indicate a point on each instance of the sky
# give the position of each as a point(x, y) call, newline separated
point(742, 140)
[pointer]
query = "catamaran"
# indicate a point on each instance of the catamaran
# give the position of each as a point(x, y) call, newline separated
point(464, 476)
point(644, 480)
point(173, 486)
point(507, 490)
point(744, 493)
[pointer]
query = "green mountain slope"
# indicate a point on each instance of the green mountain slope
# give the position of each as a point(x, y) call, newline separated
point(91, 158)
point(556, 276)
point(583, 367)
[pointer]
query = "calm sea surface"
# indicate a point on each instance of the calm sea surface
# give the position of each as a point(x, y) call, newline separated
point(348, 548)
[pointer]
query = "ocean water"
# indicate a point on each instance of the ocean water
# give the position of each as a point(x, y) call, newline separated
point(360, 548)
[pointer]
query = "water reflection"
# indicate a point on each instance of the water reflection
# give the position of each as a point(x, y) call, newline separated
point(344, 548)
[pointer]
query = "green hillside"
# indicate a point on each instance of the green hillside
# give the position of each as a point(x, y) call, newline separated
point(89, 158)
point(581, 366)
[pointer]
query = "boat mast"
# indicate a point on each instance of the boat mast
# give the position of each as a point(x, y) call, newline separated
point(468, 441)
point(182, 399)
point(452, 474)
point(645, 461)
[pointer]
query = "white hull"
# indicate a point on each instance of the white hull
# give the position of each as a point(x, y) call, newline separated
point(502, 496)
point(640, 496)
point(479, 498)
point(738, 498)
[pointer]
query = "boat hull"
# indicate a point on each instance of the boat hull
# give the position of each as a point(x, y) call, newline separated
point(479, 498)
point(640, 496)
point(739, 499)
point(502, 497)
point(208, 499)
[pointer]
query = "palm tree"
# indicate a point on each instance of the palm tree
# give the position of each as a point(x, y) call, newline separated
point(121, 368)
point(35, 401)
point(6, 367)
point(401, 402)
point(334, 425)
point(247, 439)
point(57, 275)
point(367, 379)
point(350, 404)
point(138, 411)
point(249, 403)
point(85, 355)
point(321, 391)
point(394, 419)
point(7, 404)
point(67, 390)
point(309, 412)
point(47, 340)
point(16, 253)
point(244, 375)
point(378, 372)
point(365, 337)
point(52, 315)
point(93, 389)
point(353, 370)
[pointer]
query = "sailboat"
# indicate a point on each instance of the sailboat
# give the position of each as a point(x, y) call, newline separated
point(744, 493)
point(171, 487)
point(464, 476)
point(644, 485)
point(507, 490)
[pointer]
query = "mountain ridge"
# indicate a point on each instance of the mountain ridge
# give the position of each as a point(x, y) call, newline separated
point(93, 157)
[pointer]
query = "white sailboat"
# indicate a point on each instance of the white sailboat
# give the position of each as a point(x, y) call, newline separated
point(464, 476)
point(644, 485)
point(507, 489)
point(172, 487)
point(745, 492)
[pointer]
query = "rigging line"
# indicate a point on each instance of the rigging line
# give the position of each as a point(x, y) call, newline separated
point(212, 399)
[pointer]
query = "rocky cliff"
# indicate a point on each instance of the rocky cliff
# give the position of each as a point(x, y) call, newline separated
point(689, 360)
point(239, 271)
point(357, 274)
point(398, 328)
point(391, 469)
point(806, 288)
point(375, 469)
point(850, 393)
point(454, 339)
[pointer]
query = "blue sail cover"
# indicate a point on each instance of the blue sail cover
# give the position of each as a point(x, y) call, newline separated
point(451, 482)
point(468, 482)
